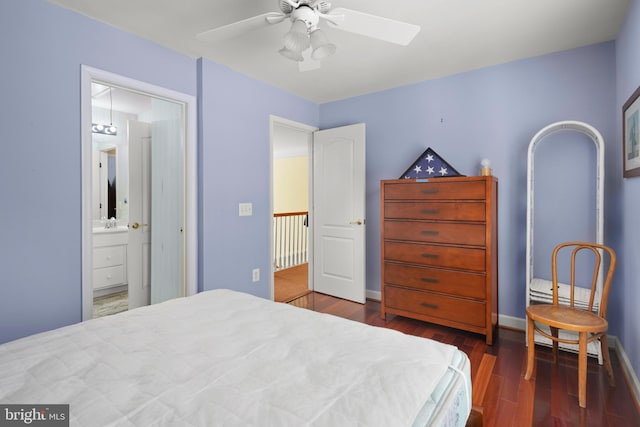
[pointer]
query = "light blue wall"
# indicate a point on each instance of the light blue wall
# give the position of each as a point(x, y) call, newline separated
point(493, 113)
point(234, 133)
point(42, 47)
point(628, 79)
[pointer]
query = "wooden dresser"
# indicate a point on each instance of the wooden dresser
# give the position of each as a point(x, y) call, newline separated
point(439, 248)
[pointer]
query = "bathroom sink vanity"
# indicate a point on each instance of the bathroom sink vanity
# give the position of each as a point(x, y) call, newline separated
point(109, 257)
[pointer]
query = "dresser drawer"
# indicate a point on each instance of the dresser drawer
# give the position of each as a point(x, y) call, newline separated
point(437, 189)
point(108, 276)
point(108, 256)
point(435, 232)
point(448, 211)
point(443, 307)
point(458, 283)
point(440, 256)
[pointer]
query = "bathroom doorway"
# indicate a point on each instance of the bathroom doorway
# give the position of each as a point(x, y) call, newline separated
point(138, 211)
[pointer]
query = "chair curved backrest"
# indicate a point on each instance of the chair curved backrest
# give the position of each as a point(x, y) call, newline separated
point(597, 250)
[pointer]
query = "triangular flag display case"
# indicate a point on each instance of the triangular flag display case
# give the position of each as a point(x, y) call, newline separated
point(429, 165)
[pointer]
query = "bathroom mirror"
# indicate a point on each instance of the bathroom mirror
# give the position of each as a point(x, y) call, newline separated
point(110, 106)
point(111, 184)
point(106, 165)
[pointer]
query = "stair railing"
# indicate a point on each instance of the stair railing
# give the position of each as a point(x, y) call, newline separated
point(290, 239)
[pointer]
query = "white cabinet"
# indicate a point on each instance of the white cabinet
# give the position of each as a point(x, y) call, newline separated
point(109, 259)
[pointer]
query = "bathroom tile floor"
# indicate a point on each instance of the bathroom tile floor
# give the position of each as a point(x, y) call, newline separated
point(110, 304)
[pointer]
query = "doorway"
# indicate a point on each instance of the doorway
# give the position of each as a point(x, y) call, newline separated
point(336, 207)
point(172, 118)
point(291, 193)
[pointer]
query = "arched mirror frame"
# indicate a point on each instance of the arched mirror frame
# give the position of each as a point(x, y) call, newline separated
point(597, 139)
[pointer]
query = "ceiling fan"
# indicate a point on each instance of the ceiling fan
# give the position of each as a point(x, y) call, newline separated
point(305, 42)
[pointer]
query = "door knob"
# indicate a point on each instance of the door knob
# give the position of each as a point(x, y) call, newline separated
point(357, 222)
point(137, 225)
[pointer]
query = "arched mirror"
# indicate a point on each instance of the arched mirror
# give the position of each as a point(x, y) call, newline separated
point(565, 186)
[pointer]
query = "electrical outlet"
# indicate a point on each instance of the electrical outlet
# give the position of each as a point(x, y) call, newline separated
point(245, 209)
point(256, 274)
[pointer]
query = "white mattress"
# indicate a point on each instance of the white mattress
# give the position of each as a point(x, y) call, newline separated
point(223, 358)
point(450, 402)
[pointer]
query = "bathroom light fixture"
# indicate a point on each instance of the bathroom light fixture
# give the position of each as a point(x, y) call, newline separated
point(104, 129)
point(109, 129)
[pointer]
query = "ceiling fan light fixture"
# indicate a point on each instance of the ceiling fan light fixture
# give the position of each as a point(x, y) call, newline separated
point(291, 54)
point(321, 46)
point(297, 39)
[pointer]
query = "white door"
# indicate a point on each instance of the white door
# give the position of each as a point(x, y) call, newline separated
point(167, 202)
point(339, 212)
point(139, 247)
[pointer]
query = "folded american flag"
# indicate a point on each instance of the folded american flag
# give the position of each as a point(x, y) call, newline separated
point(429, 165)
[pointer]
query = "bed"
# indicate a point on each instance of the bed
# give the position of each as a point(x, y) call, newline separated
point(225, 358)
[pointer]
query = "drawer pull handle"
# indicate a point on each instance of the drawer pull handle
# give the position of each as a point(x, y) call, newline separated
point(429, 305)
point(429, 280)
point(430, 191)
point(430, 211)
point(429, 256)
point(429, 232)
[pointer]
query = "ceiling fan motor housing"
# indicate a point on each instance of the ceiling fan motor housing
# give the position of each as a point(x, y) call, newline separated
point(299, 10)
point(306, 15)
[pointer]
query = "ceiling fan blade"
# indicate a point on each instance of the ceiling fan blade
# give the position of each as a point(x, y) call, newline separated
point(377, 27)
point(276, 17)
point(239, 28)
point(308, 64)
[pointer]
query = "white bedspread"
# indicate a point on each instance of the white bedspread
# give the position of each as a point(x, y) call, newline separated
point(223, 358)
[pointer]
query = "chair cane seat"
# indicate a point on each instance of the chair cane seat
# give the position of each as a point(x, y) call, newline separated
point(562, 317)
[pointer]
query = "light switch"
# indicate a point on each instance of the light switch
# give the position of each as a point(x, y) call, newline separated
point(245, 209)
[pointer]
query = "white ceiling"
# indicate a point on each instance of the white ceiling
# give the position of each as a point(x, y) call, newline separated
point(455, 36)
point(117, 99)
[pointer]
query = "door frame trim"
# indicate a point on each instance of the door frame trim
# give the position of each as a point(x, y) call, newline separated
point(87, 74)
point(309, 130)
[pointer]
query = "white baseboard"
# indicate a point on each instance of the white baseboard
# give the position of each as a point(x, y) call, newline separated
point(626, 366)
point(373, 295)
point(512, 322)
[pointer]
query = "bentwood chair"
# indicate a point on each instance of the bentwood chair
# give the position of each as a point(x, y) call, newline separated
point(589, 325)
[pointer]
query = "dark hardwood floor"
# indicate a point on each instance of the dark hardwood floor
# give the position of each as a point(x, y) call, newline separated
point(497, 372)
